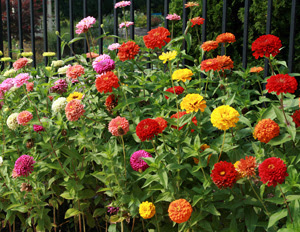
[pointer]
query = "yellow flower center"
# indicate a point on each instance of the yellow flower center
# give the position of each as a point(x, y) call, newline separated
point(178, 208)
point(271, 166)
point(222, 173)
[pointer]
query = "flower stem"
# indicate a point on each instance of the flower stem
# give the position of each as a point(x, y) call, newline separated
point(281, 103)
point(154, 147)
point(258, 197)
point(222, 145)
point(124, 154)
point(89, 48)
point(157, 224)
point(285, 201)
point(170, 69)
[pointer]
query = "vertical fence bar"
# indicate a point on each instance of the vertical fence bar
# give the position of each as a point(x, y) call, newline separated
point(71, 25)
point(268, 31)
point(45, 30)
point(84, 16)
point(245, 35)
point(148, 24)
point(20, 25)
point(204, 15)
point(224, 20)
point(184, 23)
point(166, 9)
point(132, 19)
point(1, 36)
point(292, 37)
point(116, 26)
point(100, 28)
point(57, 18)
point(8, 30)
point(32, 34)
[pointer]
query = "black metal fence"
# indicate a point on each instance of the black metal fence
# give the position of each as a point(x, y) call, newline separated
point(132, 29)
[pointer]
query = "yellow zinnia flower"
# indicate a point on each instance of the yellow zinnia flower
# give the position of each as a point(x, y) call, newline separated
point(1, 53)
point(224, 117)
point(147, 210)
point(168, 56)
point(26, 54)
point(182, 75)
point(4, 59)
point(49, 54)
point(75, 95)
point(193, 103)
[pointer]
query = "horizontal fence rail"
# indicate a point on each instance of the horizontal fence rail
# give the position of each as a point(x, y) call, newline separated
point(165, 4)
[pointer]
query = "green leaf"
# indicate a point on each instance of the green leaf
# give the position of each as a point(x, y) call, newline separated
point(99, 212)
point(75, 39)
point(188, 39)
point(276, 217)
point(251, 219)
point(212, 209)
point(163, 176)
point(166, 196)
point(71, 213)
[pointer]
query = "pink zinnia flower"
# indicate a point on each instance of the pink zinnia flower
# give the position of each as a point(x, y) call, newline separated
point(103, 64)
point(29, 86)
point(75, 71)
point(38, 128)
point(118, 126)
point(6, 84)
point(122, 4)
point(114, 46)
point(136, 161)
point(60, 86)
point(74, 110)
point(173, 17)
point(24, 117)
point(24, 165)
point(20, 63)
point(126, 24)
point(21, 79)
point(84, 25)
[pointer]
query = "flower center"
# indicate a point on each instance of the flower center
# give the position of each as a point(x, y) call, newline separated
point(146, 126)
point(271, 166)
point(222, 173)
point(178, 208)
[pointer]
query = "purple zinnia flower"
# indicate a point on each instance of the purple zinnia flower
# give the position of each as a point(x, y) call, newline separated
point(60, 86)
point(103, 63)
point(21, 79)
point(24, 165)
point(38, 128)
point(112, 210)
point(136, 161)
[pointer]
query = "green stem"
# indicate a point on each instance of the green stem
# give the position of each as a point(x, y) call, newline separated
point(157, 224)
point(172, 30)
point(282, 108)
point(222, 145)
point(124, 154)
point(258, 197)
point(170, 69)
point(88, 44)
point(285, 201)
point(154, 147)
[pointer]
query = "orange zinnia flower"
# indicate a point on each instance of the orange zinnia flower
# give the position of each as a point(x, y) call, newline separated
point(180, 211)
point(209, 45)
point(197, 21)
point(191, 4)
point(256, 69)
point(246, 167)
point(224, 62)
point(209, 64)
point(225, 38)
point(93, 54)
point(157, 37)
point(265, 130)
point(128, 50)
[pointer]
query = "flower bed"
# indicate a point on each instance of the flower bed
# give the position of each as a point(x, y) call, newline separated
point(108, 145)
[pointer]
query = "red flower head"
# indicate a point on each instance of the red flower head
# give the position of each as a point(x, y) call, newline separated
point(209, 45)
point(105, 82)
point(128, 51)
point(296, 118)
point(281, 83)
point(265, 130)
point(272, 171)
point(157, 37)
point(197, 21)
point(178, 90)
point(194, 120)
point(209, 64)
point(224, 62)
point(225, 38)
point(162, 124)
point(266, 45)
point(147, 129)
point(180, 211)
point(224, 174)
point(111, 102)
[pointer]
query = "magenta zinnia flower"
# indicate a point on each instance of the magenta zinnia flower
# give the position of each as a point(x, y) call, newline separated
point(60, 86)
point(24, 117)
point(173, 17)
point(118, 126)
point(103, 63)
point(136, 161)
point(84, 25)
point(38, 128)
point(122, 4)
point(21, 79)
point(24, 165)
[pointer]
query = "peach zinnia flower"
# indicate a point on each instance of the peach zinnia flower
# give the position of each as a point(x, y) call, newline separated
point(24, 117)
point(118, 126)
point(246, 167)
point(209, 45)
point(75, 71)
point(226, 38)
point(180, 211)
point(93, 54)
point(29, 86)
point(74, 110)
point(191, 4)
point(256, 69)
point(225, 62)
point(20, 63)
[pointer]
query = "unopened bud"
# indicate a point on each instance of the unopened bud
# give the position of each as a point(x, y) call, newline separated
point(57, 33)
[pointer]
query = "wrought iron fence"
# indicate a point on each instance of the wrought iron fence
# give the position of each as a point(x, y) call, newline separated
point(132, 29)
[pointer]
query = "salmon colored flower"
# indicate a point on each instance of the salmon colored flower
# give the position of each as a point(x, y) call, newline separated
point(226, 38)
point(246, 167)
point(173, 17)
point(24, 117)
point(29, 86)
point(256, 69)
point(118, 126)
point(197, 21)
point(20, 63)
point(157, 38)
point(91, 55)
point(75, 71)
point(209, 45)
point(74, 110)
point(128, 50)
point(209, 64)
point(191, 4)
point(265, 130)
point(180, 211)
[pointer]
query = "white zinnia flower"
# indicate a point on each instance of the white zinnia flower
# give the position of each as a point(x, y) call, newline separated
point(59, 104)
point(12, 121)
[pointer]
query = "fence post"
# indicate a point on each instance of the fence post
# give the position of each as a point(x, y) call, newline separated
point(292, 37)
point(8, 30)
point(32, 33)
point(45, 30)
point(57, 18)
point(100, 23)
point(71, 25)
point(84, 16)
point(245, 36)
point(268, 31)
point(20, 25)
point(224, 20)
point(166, 9)
point(116, 26)
point(1, 37)
point(132, 19)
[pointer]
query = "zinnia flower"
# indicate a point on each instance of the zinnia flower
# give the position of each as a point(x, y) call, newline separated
point(224, 174)
point(147, 129)
point(256, 69)
point(74, 110)
point(9, 73)
point(182, 75)
point(180, 114)
point(157, 38)
point(59, 104)
point(282, 83)
point(272, 171)
point(75, 95)
point(209, 45)
point(168, 56)
point(6, 85)
point(29, 86)
point(178, 90)
point(84, 25)
point(265, 130)
point(147, 210)
point(111, 102)
point(57, 63)
point(226, 38)
point(21, 79)
point(180, 211)
point(48, 54)
point(107, 81)
point(24, 165)
point(136, 161)
point(38, 128)
point(246, 167)
point(75, 71)
point(266, 45)
point(173, 17)
point(114, 46)
point(224, 62)
point(128, 50)
point(26, 54)
point(60, 86)
point(197, 21)
point(12, 121)
point(296, 118)
point(209, 64)
point(162, 124)
point(103, 63)
point(193, 103)
point(122, 4)
point(118, 126)
point(63, 70)
point(224, 117)
point(91, 55)
point(126, 24)
point(191, 4)
point(24, 117)
point(20, 63)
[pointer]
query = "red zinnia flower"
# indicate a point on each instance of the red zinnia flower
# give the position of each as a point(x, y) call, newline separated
point(266, 45)
point(272, 171)
point(197, 21)
point(147, 129)
point(281, 83)
point(224, 174)
point(194, 120)
point(106, 82)
point(296, 118)
point(111, 102)
point(225, 38)
point(178, 90)
point(162, 124)
point(157, 37)
point(128, 51)
point(209, 64)
point(209, 45)
point(265, 130)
